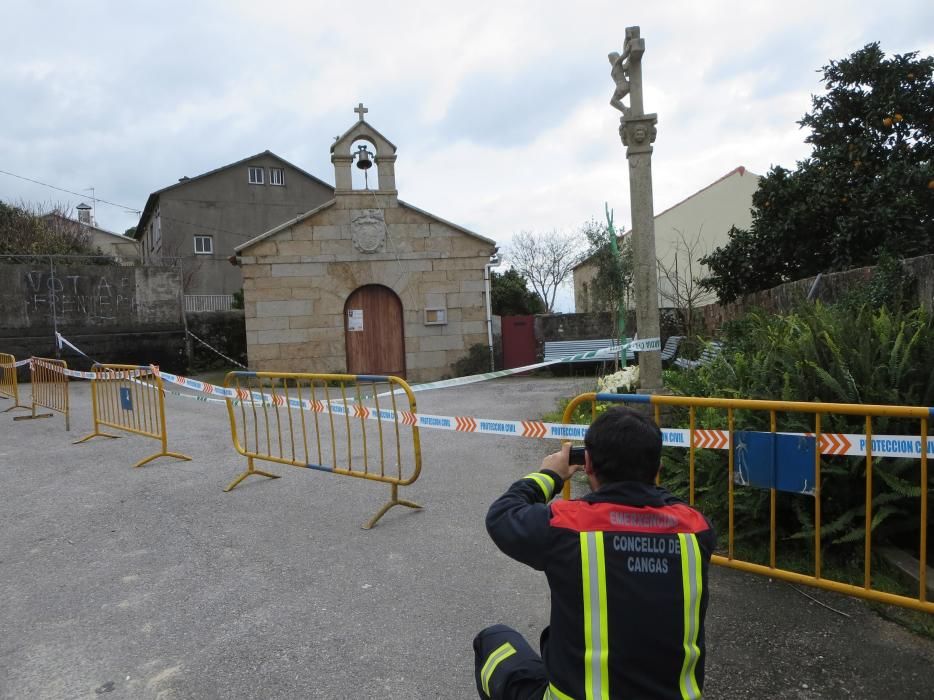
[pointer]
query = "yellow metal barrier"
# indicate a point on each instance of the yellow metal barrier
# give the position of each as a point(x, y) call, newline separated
point(824, 447)
point(355, 425)
point(9, 386)
point(130, 398)
point(49, 385)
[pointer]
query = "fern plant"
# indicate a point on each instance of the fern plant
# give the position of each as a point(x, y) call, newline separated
point(847, 353)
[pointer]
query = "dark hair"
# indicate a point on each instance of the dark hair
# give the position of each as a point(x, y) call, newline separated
point(624, 445)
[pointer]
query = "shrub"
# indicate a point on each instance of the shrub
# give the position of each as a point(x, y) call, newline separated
point(476, 361)
point(846, 354)
point(24, 232)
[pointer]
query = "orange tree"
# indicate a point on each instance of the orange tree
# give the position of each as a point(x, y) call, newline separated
point(866, 188)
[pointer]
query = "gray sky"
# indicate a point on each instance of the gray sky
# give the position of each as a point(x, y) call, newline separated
point(499, 109)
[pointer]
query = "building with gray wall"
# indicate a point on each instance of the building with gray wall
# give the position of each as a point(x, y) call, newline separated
point(197, 222)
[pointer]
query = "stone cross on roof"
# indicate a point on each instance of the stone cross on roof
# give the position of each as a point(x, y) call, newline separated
point(361, 110)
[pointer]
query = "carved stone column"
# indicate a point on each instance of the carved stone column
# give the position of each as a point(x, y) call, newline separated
point(637, 131)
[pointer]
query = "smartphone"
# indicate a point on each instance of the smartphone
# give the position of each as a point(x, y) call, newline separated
point(577, 455)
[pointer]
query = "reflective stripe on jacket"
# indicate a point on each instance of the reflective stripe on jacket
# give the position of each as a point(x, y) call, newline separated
point(627, 567)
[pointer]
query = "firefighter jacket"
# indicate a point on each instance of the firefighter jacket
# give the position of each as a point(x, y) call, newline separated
point(627, 568)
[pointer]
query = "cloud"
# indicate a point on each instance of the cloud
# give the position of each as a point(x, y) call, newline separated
point(500, 110)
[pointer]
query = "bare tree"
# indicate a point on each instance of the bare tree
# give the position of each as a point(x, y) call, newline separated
point(611, 285)
point(171, 256)
point(545, 260)
point(680, 280)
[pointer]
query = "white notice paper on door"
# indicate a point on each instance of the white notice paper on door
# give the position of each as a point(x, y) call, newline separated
point(354, 319)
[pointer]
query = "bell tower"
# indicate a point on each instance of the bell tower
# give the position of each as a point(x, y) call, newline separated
point(345, 156)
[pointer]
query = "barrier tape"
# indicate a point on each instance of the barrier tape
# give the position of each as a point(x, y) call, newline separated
point(444, 383)
point(215, 350)
point(465, 424)
point(18, 363)
point(203, 387)
point(198, 397)
point(645, 345)
point(832, 444)
point(62, 340)
point(105, 375)
point(602, 353)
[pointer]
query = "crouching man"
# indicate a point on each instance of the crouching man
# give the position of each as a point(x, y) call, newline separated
point(627, 569)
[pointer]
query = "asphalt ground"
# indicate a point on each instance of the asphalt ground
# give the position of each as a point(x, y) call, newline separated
point(153, 583)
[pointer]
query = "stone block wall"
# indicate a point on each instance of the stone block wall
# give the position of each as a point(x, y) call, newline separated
point(831, 287)
point(124, 315)
point(297, 281)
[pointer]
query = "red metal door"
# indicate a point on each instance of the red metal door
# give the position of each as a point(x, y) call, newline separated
point(518, 341)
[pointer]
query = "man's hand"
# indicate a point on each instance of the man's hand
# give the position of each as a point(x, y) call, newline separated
point(558, 462)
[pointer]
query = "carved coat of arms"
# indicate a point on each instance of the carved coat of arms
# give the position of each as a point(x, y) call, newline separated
point(368, 229)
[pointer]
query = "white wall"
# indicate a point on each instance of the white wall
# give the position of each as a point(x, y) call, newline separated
point(704, 219)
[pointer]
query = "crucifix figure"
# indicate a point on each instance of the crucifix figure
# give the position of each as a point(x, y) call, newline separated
point(619, 71)
point(361, 110)
point(626, 71)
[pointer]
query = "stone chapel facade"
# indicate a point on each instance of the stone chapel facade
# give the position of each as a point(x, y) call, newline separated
point(364, 283)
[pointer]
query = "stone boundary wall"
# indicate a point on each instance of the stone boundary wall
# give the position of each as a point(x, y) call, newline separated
point(115, 314)
point(832, 286)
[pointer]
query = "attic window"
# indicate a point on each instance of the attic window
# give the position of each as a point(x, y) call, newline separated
point(276, 176)
point(255, 176)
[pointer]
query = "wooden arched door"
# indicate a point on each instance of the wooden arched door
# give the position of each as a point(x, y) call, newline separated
point(373, 331)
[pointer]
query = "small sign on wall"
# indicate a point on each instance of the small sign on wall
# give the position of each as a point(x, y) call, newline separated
point(354, 319)
point(436, 317)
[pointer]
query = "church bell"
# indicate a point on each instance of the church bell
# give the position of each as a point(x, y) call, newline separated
point(364, 158)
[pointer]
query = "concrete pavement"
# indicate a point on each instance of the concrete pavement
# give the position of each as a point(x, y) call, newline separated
point(153, 583)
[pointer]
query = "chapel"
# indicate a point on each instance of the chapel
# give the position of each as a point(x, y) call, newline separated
point(365, 283)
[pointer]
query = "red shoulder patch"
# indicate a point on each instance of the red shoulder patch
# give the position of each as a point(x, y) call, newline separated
point(583, 516)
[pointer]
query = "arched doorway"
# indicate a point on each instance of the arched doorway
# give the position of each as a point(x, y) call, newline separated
point(373, 331)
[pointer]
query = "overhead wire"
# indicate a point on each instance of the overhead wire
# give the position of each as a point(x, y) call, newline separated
point(77, 194)
point(199, 225)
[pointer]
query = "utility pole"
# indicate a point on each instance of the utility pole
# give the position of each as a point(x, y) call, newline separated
point(53, 297)
point(637, 131)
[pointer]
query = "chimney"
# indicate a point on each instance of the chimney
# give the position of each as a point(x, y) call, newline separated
point(84, 214)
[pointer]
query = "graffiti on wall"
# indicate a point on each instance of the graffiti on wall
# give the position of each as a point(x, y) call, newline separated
point(69, 297)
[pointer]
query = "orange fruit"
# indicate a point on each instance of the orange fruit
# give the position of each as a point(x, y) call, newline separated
point(887, 121)
point(898, 117)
